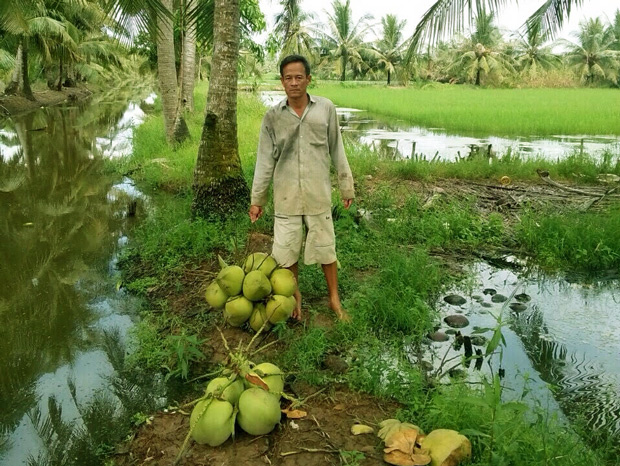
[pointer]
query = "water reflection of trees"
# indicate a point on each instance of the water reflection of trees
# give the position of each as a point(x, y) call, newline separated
point(55, 226)
point(579, 386)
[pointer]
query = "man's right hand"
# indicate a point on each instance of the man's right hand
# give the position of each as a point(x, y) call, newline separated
point(255, 212)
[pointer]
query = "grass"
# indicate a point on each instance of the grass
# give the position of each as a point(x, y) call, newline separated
point(482, 112)
point(389, 277)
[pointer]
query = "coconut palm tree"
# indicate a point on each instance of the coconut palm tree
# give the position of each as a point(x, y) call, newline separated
point(391, 46)
point(345, 41)
point(532, 55)
point(291, 30)
point(614, 28)
point(481, 53)
point(219, 184)
point(591, 55)
point(37, 28)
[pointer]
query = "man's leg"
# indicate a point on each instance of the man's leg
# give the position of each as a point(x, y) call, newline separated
point(331, 277)
point(297, 311)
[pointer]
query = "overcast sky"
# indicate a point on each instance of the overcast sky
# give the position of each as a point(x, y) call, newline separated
point(511, 17)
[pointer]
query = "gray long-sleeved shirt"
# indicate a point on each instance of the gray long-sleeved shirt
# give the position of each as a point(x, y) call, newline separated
point(297, 153)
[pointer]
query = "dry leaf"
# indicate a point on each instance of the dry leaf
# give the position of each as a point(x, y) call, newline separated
point(294, 413)
point(398, 458)
point(339, 407)
point(359, 429)
point(256, 380)
point(391, 426)
point(403, 440)
point(421, 459)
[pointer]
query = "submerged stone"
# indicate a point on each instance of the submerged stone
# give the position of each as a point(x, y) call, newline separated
point(486, 304)
point(456, 321)
point(478, 340)
point(455, 299)
point(499, 298)
point(478, 298)
point(438, 336)
point(517, 307)
point(523, 298)
point(490, 291)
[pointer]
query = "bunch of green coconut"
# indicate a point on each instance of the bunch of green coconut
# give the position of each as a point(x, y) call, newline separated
point(259, 292)
point(251, 400)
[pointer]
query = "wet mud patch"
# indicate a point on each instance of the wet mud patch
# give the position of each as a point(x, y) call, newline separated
point(322, 438)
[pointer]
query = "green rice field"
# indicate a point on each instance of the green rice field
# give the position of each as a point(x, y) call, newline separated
point(500, 112)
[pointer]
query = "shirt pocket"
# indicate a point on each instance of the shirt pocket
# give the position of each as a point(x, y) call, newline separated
point(317, 134)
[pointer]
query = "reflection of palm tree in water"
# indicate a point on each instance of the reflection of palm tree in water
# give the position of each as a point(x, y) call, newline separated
point(55, 219)
point(582, 390)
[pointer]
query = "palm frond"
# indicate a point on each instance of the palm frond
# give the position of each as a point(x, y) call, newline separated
point(551, 15)
point(447, 17)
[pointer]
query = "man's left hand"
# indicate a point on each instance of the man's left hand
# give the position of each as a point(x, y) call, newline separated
point(347, 203)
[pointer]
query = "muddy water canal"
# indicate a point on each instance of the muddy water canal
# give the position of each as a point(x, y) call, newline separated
point(63, 323)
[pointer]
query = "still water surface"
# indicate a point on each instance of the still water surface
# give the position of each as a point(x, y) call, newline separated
point(399, 139)
point(564, 347)
point(62, 223)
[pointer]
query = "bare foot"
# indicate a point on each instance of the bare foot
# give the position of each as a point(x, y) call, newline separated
point(342, 314)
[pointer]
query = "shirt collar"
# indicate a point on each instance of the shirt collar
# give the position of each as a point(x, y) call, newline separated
point(282, 105)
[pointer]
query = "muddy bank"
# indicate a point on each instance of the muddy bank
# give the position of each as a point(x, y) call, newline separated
point(11, 105)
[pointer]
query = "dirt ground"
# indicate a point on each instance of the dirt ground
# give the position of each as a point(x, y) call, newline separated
point(318, 439)
point(11, 105)
point(323, 437)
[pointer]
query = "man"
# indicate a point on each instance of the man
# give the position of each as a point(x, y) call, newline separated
point(299, 141)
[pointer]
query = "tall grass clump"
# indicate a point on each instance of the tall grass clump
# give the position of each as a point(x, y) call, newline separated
point(477, 111)
point(169, 239)
point(445, 224)
point(395, 299)
point(583, 241)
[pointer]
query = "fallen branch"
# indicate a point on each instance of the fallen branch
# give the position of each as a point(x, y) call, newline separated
point(310, 450)
point(544, 175)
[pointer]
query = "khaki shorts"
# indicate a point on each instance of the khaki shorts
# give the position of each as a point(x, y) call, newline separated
point(289, 236)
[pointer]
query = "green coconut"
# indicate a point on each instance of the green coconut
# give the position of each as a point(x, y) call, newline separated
point(237, 310)
point(259, 317)
point(212, 422)
point(231, 393)
point(271, 375)
point(283, 282)
point(256, 285)
point(259, 411)
point(279, 308)
point(260, 261)
point(230, 279)
point(215, 296)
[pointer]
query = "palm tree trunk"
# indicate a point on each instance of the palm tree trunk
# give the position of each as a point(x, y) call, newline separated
point(478, 76)
point(26, 89)
point(343, 73)
point(389, 76)
point(189, 63)
point(219, 184)
point(167, 73)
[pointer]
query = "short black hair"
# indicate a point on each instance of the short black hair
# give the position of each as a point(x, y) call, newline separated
point(294, 59)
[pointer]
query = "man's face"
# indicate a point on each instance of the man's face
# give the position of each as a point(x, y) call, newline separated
point(295, 80)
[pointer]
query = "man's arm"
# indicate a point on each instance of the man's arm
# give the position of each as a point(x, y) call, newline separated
point(339, 159)
point(263, 171)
